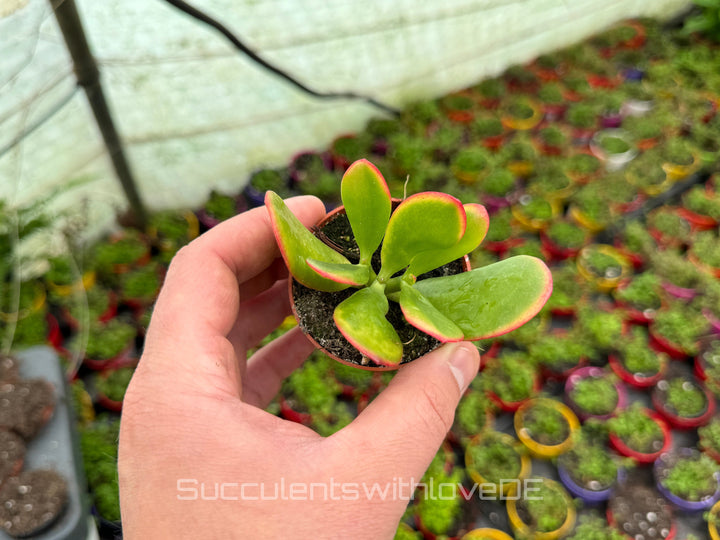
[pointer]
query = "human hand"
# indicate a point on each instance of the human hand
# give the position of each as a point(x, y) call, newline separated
point(193, 417)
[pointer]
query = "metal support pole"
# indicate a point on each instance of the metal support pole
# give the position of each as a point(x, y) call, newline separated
point(88, 77)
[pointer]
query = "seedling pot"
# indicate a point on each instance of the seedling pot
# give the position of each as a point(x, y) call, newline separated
point(296, 291)
point(644, 458)
point(537, 449)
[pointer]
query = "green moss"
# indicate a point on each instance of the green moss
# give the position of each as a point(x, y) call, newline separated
point(128, 249)
point(637, 430)
point(681, 327)
point(105, 341)
point(595, 395)
point(487, 127)
point(593, 527)
point(170, 225)
point(498, 183)
point(220, 206)
point(566, 234)
point(686, 398)
point(472, 160)
point(582, 163)
point(590, 465)
point(98, 443)
point(494, 458)
point(547, 509)
point(706, 247)
point(692, 478)
point(500, 226)
point(546, 424)
point(637, 357)
point(142, 283)
point(471, 417)
point(642, 293)
point(698, 200)
point(511, 377)
point(558, 351)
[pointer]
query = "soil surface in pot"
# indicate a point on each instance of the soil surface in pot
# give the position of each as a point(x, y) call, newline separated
point(31, 502)
point(8, 368)
point(25, 406)
point(314, 309)
point(12, 454)
point(641, 512)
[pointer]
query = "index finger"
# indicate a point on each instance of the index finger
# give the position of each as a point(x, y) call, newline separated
point(200, 298)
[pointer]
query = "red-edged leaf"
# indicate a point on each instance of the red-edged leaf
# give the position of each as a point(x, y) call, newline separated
point(475, 230)
point(361, 319)
point(367, 202)
point(297, 244)
point(355, 275)
point(491, 300)
point(427, 221)
point(424, 316)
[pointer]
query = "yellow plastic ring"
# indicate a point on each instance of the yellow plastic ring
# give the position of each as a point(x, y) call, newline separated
point(522, 530)
point(542, 450)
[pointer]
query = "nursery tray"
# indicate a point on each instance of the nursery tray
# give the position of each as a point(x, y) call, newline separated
point(55, 447)
point(493, 514)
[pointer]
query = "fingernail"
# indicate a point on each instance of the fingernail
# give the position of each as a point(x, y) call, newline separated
point(464, 365)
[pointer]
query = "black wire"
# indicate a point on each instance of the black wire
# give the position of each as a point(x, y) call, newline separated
point(203, 17)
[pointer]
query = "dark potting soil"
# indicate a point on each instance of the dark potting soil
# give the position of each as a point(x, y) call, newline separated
point(8, 368)
point(25, 406)
point(31, 502)
point(641, 512)
point(315, 308)
point(12, 454)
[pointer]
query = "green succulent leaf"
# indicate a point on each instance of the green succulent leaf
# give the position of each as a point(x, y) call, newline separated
point(367, 202)
point(354, 275)
point(419, 312)
point(426, 221)
point(475, 230)
point(492, 300)
point(361, 319)
point(297, 245)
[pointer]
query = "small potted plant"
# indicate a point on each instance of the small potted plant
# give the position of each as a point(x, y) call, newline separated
point(594, 393)
point(471, 164)
point(564, 240)
point(99, 305)
point(491, 91)
point(635, 363)
point(521, 114)
point(647, 175)
point(636, 243)
point(639, 297)
point(705, 253)
point(546, 427)
point(582, 117)
point(170, 229)
point(474, 415)
point(646, 130)
point(676, 331)
point(590, 208)
point(510, 380)
point(553, 101)
point(64, 277)
point(568, 291)
point(680, 278)
point(122, 252)
point(140, 287)
point(347, 149)
point(98, 442)
point(710, 439)
point(500, 236)
point(108, 345)
point(490, 131)
point(518, 155)
point(667, 227)
point(497, 458)
point(613, 146)
point(588, 471)
point(639, 434)
point(111, 385)
point(218, 208)
point(603, 266)
point(593, 527)
point(459, 107)
point(535, 213)
point(707, 363)
point(701, 208)
point(582, 167)
point(358, 294)
point(498, 189)
point(438, 516)
point(681, 160)
point(552, 183)
point(558, 353)
point(545, 511)
point(688, 479)
point(683, 402)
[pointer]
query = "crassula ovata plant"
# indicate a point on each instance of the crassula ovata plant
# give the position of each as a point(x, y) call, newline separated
point(426, 231)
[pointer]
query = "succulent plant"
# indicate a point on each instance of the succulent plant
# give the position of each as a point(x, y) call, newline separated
point(426, 231)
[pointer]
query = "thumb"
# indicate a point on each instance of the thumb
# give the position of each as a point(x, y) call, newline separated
point(408, 421)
